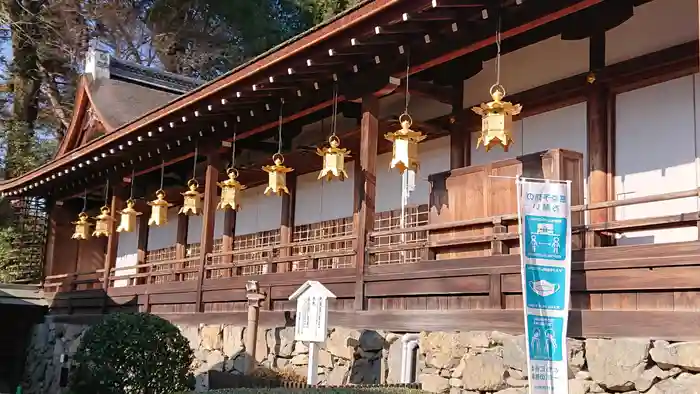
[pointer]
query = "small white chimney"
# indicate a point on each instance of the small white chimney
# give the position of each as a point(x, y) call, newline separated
point(97, 64)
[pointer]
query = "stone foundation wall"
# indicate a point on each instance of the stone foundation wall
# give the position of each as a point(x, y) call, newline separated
point(455, 363)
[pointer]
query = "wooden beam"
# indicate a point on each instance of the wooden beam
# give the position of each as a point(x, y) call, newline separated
point(112, 239)
point(365, 190)
point(438, 93)
point(287, 221)
point(211, 176)
point(598, 136)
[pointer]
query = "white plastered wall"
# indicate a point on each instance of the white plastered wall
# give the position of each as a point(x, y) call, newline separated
point(647, 162)
point(164, 236)
point(127, 253)
point(258, 212)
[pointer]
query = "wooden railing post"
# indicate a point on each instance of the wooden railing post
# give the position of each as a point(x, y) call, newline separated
point(365, 191)
point(498, 246)
point(208, 216)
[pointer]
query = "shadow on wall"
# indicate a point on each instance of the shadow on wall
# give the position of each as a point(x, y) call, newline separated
point(53, 343)
point(19, 311)
point(347, 357)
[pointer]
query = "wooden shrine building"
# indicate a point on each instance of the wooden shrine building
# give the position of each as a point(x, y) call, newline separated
point(609, 97)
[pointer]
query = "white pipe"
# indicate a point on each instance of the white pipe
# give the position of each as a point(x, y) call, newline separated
point(408, 343)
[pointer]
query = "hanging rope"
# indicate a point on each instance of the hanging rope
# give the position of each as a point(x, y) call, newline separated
point(85, 200)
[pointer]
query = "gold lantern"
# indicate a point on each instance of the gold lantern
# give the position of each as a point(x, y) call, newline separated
point(497, 120)
point(405, 145)
point(277, 176)
point(192, 202)
point(82, 227)
point(103, 223)
point(159, 210)
point(229, 191)
point(128, 217)
point(333, 160)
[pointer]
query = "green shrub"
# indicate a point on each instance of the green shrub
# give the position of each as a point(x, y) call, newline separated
point(132, 354)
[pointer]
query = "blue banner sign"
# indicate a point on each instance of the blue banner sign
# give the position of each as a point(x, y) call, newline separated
point(545, 242)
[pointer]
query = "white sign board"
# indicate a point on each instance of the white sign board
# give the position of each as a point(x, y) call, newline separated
point(312, 312)
point(545, 243)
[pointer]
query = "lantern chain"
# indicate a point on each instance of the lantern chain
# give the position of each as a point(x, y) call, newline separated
point(335, 111)
point(279, 128)
point(131, 191)
point(107, 192)
point(85, 200)
point(233, 146)
point(162, 173)
point(194, 165)
point(408, 72)
point(498, 52)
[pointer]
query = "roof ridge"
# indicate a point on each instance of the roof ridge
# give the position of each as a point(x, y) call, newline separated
point(134, 72)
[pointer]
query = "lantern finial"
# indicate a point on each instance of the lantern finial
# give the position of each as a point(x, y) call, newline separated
point(333, 160)
point(103, 223)
point(405, 145)
point(159, 209)
point(128, 217)
point(82, 227)
point(277, 176)
point(229, 191)
point(497, 120)
point(192, 203)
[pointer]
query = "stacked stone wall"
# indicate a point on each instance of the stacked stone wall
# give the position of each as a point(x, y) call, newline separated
point(455, 363)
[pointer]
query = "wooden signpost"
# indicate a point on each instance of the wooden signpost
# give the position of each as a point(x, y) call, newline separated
point(312, 321)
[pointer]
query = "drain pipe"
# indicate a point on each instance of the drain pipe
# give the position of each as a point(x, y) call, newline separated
point(408, 343)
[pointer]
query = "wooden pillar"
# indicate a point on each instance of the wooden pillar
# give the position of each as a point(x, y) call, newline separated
point(142, 247)
point(599, 135)
point(458, 134)
point(113, 238)
point(208, 217)
point(183, 224)
point(229, 236)
point(365, 190)
point(287, 221)
point(54, 214)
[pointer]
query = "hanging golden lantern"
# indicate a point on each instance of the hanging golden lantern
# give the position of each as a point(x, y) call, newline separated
point(277, 176)
point(128, 217)
point(333, 160)
point(82, 227)
point(229, 191)
point(405, 145)
point(103, 223)
point(192, 202)
point(497, 120)
point(159, 210)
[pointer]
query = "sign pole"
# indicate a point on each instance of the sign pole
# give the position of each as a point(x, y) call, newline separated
point(311, 324)
point(544, 213)
point(312, 373)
